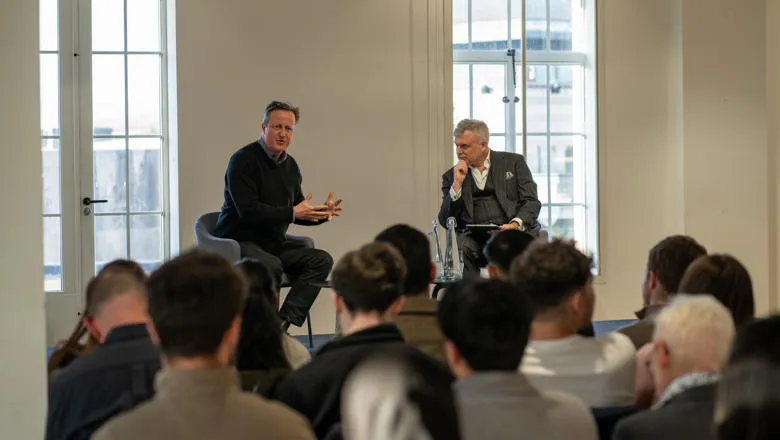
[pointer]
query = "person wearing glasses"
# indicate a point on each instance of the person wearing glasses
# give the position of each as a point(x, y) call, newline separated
point(263, 196)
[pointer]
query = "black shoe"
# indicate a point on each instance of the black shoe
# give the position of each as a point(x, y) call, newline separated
point(285, 325)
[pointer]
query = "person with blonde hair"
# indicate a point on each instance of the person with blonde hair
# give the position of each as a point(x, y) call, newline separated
point(691, 344)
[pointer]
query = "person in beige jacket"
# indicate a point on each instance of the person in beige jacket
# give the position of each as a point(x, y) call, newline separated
point(195, 304)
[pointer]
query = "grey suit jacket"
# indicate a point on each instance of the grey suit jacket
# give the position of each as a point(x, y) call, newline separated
point(503, 405)
point(515, 190)
point(206, 404)
point(688, 416)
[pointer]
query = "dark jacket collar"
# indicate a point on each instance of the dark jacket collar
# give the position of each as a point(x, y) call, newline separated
point(649, 311)
point(126, 333)
point(380, 334)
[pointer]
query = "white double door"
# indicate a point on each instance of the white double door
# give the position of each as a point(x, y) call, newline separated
point(103, 144)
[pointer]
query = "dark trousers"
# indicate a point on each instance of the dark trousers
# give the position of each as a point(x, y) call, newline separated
point(470, 246)
point(302, 265)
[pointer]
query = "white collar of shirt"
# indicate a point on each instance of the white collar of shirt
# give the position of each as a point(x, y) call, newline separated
point(480, 177)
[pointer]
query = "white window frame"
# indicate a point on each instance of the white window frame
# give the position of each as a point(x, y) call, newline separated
point(588, 61)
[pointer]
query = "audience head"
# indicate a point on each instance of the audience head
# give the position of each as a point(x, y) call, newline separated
point(195, 302)
point(73, 347)
point(557, 278)
point(260, 343)
point(725, 278)
point(279, 122)
point(471, 141)
point(502, 248)
point(368, 283)
point(486, 324)
point(384, 398)
point(748, 404)
point(116, 296)
point(666, 265)
point(415, 249)
point(692, 334)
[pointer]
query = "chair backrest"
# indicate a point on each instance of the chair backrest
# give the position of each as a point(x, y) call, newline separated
point(205, 225)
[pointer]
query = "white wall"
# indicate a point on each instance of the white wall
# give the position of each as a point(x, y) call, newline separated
point(361, 72)
point(682, 135)
point(22, 370)
point(726, 187)
point(772, 47)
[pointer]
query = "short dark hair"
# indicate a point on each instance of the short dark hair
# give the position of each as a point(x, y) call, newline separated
point(193, 300)
point(502, 248)
point(725, 278)
point(281, 105)
point(758, 341)
point(115, 278)
point(416, 251)
point(669, 258)
point(371, 278)
point(489, 321)
point(551, 272)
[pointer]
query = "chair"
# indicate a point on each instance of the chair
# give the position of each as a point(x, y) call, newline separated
point(230, 250)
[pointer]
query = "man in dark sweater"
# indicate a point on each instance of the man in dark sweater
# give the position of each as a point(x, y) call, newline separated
point(368, 296)
point(262, 197)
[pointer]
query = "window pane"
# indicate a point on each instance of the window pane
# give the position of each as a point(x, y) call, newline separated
point(535, 23)
point(460, 24)
point(562, 222)
point(537, 162)
point(489, 89)
point(562, 168)
point(536, 93)
point(143, 81)
point(145, 175)
point(50, 94)
point(52, 254)
point(544, 218)
point(143, 25)
point(108, 94)
point(146, 244)
point(497, 143)
point(110, 239)
point(108, 25)
point(567, 99)
point(461, 92)
point(566, 17)
point(49, 25)
point(110, 175)
point(489, 25)
point(50, 151)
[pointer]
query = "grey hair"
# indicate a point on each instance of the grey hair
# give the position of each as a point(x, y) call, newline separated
point(475, 126)
point(375, 403)
point(281, 105)
point(698, 329)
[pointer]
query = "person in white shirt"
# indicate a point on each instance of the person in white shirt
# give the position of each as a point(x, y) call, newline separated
point(599, 370)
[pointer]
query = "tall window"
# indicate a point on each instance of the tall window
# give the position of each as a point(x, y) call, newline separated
point(527, 68)
point(104, 136)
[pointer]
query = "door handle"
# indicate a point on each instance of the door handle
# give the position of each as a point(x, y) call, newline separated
point(86, 201)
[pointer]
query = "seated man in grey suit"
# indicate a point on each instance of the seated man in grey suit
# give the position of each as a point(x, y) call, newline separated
point(499, 190)
point(692, 340)
point(486, 324)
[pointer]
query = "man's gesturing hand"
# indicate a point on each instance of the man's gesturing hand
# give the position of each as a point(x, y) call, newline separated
point(307, 211)
point(334, 208)
point(459, 174)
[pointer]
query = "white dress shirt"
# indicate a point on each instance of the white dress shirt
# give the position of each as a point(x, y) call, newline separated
point(480, 179)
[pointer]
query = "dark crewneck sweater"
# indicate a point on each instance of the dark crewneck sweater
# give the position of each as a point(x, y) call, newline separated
point(260, 196)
